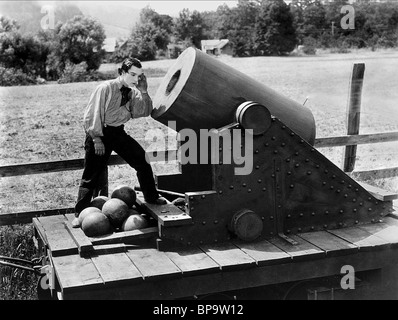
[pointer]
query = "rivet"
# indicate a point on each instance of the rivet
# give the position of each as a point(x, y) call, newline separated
point(333, 176)
point(259, 180)
point(338, 190)
point(345, 195)
point(354, 210)
point(299, 229)
point(356, 190)
point(289, 216)
point(313, 213)
point(271, 217)
point(231, 187)
point(275, 151)
point(370, 199)
point(243, 184)
point(220, 162)
point(342, 181)
point(182, 239)
point(204, 222)
point(215, 240)
point(309, 173)
point(289, 173)
point(312, 150)
point(215, 221)
point(376, 203)
point(273, 138)
point(292, 186)
point(203, 196)
point(266, 144)
point(307, 160)
point(189, 243)
point(349, 186)
point(256, 151)
point(340, 224)
point(271, 233)
point(325, 226)
point(301, 141)
point(288, 160)
point(370, 209)
point(192, 208)
point(317, 166)
point(257, 167)
point(341, 211)
point(272, 175)
point(384, 206)
point(190, 198)
point(301, 214)
point(356, 221)
point(273, 119)
point(287, 231)
point(326, 212)
point(324, 183)
point(283, 127)
point(220, 192)
point(292, 134)
point(249, 190)
point(326, 171)
point(331, 187)
point(354, 200)
point(279, 206)
point(296, 153)
point(264, 189)
point(297, 165)
point(312, 228)
point(278, 169)
point(262, 218)
point(361, 203)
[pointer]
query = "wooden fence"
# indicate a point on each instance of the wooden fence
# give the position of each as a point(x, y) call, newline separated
point(350, 141)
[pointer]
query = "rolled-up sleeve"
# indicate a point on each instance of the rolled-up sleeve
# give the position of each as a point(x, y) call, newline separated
point(94, 115)
point(140, 104)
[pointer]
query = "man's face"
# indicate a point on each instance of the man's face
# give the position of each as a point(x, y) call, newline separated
point(131, 77)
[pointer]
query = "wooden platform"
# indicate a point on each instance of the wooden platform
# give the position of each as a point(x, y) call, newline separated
point(123, 271)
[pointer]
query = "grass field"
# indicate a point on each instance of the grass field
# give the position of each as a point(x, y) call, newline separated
point(44, 123)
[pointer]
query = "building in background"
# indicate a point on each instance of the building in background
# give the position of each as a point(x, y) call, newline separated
point(216, 47)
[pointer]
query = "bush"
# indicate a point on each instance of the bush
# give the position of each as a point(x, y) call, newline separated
point(14, 77)
point(310, 45)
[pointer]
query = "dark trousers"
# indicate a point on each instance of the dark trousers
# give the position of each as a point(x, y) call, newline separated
point(93, 182)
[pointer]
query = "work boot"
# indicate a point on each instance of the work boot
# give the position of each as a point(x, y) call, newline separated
point(158, 201)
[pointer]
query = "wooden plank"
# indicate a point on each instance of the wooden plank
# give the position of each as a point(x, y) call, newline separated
point(116, 268)
point(192, 261)
point(40, 230)
point(131, 237)
point(228, 256)
point(110, 248)
point(153, 263)
point(385, 231)
point(376, 174)
point(59, 240)
point(361, 238)
point(75, 273)
point(264, 252)
point(353, 114)
point(26, 217)
point(302, 251)
point(74, 164)
point(356, 139)
point(379, 194)
point(332, 245)
point(84, 245)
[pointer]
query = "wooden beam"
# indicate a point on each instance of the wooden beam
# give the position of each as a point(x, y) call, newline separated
point(356, 139)
point(26, 217)
point(74, 164)
point(354, 112)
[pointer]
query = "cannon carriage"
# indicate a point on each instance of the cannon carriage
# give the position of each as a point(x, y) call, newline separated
point(264, 214)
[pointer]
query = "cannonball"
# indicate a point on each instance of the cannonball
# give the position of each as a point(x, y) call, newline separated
point(126, 194)
point(116, 210)
point(96, 224)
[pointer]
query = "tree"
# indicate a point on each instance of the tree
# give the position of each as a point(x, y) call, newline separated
point(275, 33)
point(79, 39)
point(189, 26)
point(8, 24)
point(238, 25)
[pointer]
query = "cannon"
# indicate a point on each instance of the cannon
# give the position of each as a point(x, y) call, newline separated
point(290, 187)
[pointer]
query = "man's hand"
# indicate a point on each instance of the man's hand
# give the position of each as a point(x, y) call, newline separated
point(99, 148)
point(142, 84)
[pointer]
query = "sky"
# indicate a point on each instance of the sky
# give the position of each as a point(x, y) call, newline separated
point(172, 8)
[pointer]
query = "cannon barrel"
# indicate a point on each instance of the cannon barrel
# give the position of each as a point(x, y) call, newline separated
point(200, 92)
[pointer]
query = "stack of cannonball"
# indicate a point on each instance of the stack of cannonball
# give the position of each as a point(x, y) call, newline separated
point(106, 215)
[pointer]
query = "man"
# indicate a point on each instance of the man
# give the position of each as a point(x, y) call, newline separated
point(111, 105)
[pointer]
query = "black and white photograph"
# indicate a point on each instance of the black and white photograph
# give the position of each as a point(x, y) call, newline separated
point(202, 156)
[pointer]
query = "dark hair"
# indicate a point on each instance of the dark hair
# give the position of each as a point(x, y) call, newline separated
point(128, 63)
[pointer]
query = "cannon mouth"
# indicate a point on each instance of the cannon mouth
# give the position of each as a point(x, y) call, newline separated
point(173, 81)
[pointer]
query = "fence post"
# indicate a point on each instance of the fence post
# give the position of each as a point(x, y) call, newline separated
point(353, 114)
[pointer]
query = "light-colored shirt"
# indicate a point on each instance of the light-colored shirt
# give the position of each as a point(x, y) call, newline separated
point(104, 107)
